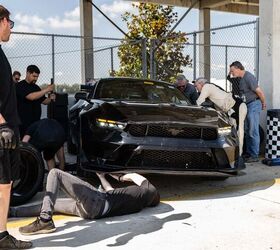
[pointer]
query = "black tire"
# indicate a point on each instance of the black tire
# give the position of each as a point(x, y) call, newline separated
point(32, 172)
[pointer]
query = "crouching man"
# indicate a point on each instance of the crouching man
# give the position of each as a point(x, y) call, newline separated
point(86, 201)
point(47, 135)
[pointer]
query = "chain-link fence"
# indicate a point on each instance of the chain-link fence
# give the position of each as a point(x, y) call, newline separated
point(59, 56)
point(227, 44)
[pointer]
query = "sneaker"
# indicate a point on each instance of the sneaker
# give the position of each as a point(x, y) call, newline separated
point(38, 227)
point(10, 242)
point(252, 159)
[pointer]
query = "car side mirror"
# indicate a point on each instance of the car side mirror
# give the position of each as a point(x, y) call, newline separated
point(81, 96)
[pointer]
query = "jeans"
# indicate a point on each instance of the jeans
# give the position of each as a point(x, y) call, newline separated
point(252, 122)
point(85, 200)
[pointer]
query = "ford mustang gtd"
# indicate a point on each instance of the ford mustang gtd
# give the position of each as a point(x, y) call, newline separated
point(125, 124)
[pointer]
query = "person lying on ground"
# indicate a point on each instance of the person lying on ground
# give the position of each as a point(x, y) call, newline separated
point(86, 201)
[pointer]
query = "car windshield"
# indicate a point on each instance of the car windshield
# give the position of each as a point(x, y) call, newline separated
point(139, 91)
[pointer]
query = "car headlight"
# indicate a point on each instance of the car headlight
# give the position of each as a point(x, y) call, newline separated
point(224, 131)
point(102, 123)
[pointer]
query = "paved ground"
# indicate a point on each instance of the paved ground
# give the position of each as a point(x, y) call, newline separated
point(240, 213)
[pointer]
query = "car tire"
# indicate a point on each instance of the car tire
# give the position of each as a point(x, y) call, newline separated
point(32, 172)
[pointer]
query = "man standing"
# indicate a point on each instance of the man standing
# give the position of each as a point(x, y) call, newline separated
point(30, 97)
point(16, 76)
point(9, 155)
point(254, 98)
point(186, 88)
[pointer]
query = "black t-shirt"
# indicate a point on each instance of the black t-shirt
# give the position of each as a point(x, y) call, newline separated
point(46, 132)
point(131, 199)
point(29, 111)
point(8, 101)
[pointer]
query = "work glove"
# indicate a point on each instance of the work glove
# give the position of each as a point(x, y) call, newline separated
point(7, 137)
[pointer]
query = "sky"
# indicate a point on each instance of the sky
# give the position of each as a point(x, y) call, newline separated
point(62, 17)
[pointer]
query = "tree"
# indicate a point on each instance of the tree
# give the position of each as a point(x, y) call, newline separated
point(152, 23)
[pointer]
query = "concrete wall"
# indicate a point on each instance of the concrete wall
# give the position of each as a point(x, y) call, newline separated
point(269, 51)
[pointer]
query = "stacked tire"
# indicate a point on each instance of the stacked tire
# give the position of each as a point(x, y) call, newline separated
point(32, 172)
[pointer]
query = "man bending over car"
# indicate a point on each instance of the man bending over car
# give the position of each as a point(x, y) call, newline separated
point(223, 101)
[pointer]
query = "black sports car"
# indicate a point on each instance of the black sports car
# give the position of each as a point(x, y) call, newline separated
point(124, 124)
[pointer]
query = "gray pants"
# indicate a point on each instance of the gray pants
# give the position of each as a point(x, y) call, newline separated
point(85, 200)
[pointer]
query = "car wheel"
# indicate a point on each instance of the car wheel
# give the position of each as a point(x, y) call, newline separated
point(31, 175)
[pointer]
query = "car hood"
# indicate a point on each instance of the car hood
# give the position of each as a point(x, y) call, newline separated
point(162, 113)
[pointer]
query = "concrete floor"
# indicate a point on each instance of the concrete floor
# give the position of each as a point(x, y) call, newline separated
point(196, 214)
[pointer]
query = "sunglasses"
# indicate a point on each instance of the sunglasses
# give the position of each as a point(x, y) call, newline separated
point(17, 79)
point(12, 23)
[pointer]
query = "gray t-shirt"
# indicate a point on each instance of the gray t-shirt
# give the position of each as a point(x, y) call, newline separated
point(247, 87)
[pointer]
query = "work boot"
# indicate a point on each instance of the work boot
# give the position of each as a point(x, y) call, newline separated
point(38, 227)
point(10, 242)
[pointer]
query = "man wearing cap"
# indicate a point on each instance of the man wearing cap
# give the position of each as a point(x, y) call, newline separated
point(47, 136)
point(223, 101)
point(186, 88)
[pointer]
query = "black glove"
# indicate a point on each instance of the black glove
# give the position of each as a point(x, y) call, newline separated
point(7, 137)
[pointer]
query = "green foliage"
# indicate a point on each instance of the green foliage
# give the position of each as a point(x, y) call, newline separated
point(153, 22)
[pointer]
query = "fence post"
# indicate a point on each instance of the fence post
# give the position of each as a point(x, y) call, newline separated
point(112, 60)
point(53, 59)
point(144, 57)
point(194, 56)
point(155, 59)
point(226, 63)
point(257, 42)
point(152, 59)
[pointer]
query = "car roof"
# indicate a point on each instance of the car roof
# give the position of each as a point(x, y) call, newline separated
point(130, 79)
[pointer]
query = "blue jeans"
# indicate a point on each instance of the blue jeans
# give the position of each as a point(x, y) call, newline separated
point(252, 123)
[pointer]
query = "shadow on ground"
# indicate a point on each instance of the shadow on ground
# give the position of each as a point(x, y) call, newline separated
point(179, 187)
point(125, 227)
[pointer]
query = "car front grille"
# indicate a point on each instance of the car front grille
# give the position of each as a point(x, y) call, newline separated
point(162, 159)
point(139, 130)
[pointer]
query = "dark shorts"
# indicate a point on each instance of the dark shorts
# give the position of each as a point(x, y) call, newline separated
point(9, 165)
point(10, 162)
point(50, 149)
